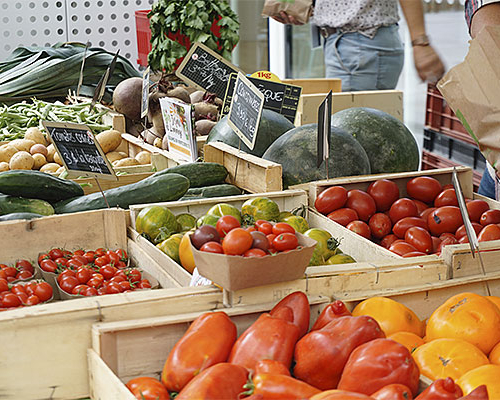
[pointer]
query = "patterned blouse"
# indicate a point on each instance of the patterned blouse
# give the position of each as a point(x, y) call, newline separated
point(363, 16)
point(471, 6)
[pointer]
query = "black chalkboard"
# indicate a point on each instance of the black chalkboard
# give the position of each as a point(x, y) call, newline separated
point(206, 70)
point(278, 97)
point(246, 109)
point(80, 153)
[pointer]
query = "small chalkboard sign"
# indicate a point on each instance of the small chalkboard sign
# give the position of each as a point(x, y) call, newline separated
point(246, 109)
point(79, 151)
point(278, 97)
point(206, 70)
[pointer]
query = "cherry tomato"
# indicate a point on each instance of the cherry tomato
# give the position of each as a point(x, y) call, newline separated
point(283, 227)
point(61, 261)
point(490, 217)
point(362, 203)
point(10, 300)
point(16, 289)
point(212, 247)
point(101, 261)
point(255, 252)
point(388, 240)
point(380, 225)
point(144, 284)
point(424, 214)
point(134, 275)
point(419, 238)
point(68, 283)
point(4, 286)
point(80, 258)
point(463, 239)
point(447, 197)
point(476, 208)
point(270, 239)
point(400, 227)
point(79, 252)
point(23, 297)
point(285, 241)
point(384, 192)
point(402, 208)
point(125, 285)
point(75, 263)
point(423, 188)
point(100, 252)
point(24, 265)
point(108, 271)
point(461, 232)
point(95, 282)
point(23, 275)
point(79, 289)
point(444, 219)
point(9, 271)
point(237, 242)
point(67, 254)
point(30, 287)
point(260, 241)
point(56, 253)
point(401, 248)
point(225, 224)
point(264, 226)
point(89, 256)
point(113, 288)
point(118, 279)
point(113, 257)
point(43, 256)
point(64, 273)
point(361, 228)
point(102, 290)
point(331, 199)
point(32, 300)
point(83, 274)
point(123, 254)
point(343, 216)
point(43, 291)
point(489, 232)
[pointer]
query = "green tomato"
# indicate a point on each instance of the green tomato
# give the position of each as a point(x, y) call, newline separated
point(156, 223)
point(186, 222)
point(170, 247)
point(299, 223)
point(222, 209)
point(283, 215)
point(260, 208)
point(326, 245)
point(340, 259)
point(207, 219)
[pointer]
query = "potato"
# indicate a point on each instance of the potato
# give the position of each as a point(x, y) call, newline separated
point(123, 154)
point(51, 150)
point(157, 142)
point(50, 167)
point(109, 140)
point(57, 159)
point(36, 135)
point(21, 160)
point(113, 156)
point(6, 152)
point(39, 148)
point(4, 166)
point(40, 160)
point(22, 144)
point(203, 127)
point(126, 162)
point(144, 157)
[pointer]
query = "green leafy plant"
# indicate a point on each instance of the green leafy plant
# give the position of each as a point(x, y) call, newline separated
point(194, 19)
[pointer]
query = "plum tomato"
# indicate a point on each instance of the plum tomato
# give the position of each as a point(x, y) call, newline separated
point(445, 242)
point(380, 225)
point(388, 240)
point(285, 241)
point(331, 199)
point(10, 300)
point(401, 248)
point(444, 219)
point(476, 208)
point(255, 252)
point(447, 197)
point(68, 283)
point(260, 241)
point(424, 214)
point(362, 203)
point(490, 217)
point(237, 242)
point(423, 188)
point(101, 260)
point(419, 238)
point(413, 254)
point(225, 224)
point(402, 208)
point(489, 232)
point(461, 232)
point(264, 226)
point(435, 244)
point(48, 265)
point(108, 271)
point(361, 228)
point(343, 216)
point(283, 227)
point(384, 192)
point(212, 247)
point(400, 227)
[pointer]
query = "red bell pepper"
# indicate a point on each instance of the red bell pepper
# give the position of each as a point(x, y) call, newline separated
point(273, 386)
point(330, 312)
point(395, 391)
point(322, 354)
point(441, 389)
point(299, 304)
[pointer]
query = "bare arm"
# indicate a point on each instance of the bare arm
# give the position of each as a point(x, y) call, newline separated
point(485, 16)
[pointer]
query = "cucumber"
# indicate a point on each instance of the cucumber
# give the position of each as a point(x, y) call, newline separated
point(38, 185)
point(156, 188)
point(19, 215)
point(220, 190)
point(13, 204)
point(194, 191)
point(199, 173)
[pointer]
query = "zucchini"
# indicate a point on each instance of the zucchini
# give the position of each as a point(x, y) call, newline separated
point(13, 204)
point(156, 188)
point(199, 173)
point(19, 215)
point(38, 185)
point(220, 190)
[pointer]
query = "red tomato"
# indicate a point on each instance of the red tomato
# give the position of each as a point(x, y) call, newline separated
point(423, 188)
point(301, 313)
point(146, 388)
point(435, 244)
point(445, 242)
point(419, 238)
point(123, 254)
point(101, 260)
point(89, 256)
point(489, 232)
point(255, 252)
point(461, 231)
point(447, 235)
point(388, 240)
point(43, 291)
point(24, 275)
point(68, 283)
point(56, 253)
point(447, 197)
point(331, 199)
point(225, 224)
point(9, 271)
point(134, 275)
point(402, 208)
point(64, 273)
point(444, 219)
point(10, 300)
point(361, 228)
point(285, 241)
point(114, 258)
point(16, 289)
point(113, 288)
point(413, 254)
point(476, 208)
point(424, 214)
point(264, 226)
point(250, 229)
point(421, 206)
point(270, 239)
point(32, 300)
point(490, 217)
point(282, 227)
point(271, 367)
point(400, 228)
point(4, 286)
point(212, 247)
point(362, 203)
point(108, 271)
point(394, 391)
point(384, 192)
point(43, 256)
point(90, 292)
point(237, 242)
point(100, 252)
point(24, 265)
point(61, 261)
point(380, 225)
point(83, 274)
point(48, 265)
point(95, 282)
point(401, 248)
point(442, 389)
point(463, 239)
point(79, 289)
point(343, 216)
point(144, 284)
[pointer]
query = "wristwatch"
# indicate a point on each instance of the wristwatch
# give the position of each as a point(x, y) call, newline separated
point(422, 40)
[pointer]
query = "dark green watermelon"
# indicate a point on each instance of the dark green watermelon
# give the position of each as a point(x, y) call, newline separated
point(297, 153)
point(272, 125)
point(389, 144)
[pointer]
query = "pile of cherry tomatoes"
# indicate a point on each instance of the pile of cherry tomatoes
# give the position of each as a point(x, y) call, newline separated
point(21, 271)
point(23, 294)
point(228, 237)
point(419, 224)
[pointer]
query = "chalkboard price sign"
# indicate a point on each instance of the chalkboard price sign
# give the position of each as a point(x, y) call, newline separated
point(246, 109)
point(206, 70)
point(79, 151)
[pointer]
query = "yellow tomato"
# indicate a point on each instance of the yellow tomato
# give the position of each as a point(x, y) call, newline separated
point(186, 254)
point(407, 339)
point(488, 375)
point(494, 356)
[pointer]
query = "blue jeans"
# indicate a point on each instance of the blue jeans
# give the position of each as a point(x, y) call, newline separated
point(363, 63)
point(487, 185)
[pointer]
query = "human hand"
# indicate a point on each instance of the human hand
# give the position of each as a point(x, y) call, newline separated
point(284, 18)
point(428, 64)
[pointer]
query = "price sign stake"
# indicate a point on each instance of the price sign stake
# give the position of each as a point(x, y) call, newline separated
point(324, 131)
point(145, 93)
point(80, 80)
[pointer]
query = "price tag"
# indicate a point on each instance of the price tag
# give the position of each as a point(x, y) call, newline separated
point(324, 130)
point(267, 75)
point(179, 128)
point(245, 110)
point(145, 93)
point(79, 151)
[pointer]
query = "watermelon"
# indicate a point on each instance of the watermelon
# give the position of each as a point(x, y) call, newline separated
point(272, 125)
point(296, 151)
point(389, 144)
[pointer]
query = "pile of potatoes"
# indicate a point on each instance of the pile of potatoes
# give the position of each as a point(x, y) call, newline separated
point(34, 152)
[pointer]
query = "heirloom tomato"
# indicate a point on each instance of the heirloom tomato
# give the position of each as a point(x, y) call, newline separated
point(146, 388)
point(278, 386)
point(299, 304)
point(395, 391)
point(332, 311)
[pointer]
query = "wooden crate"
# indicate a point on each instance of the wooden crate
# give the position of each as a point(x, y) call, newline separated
point(53, 338)
point(316, 85)
point(125, 350)
point(377, 268)
point(248, 172)
point(457, 257)
point(390, 101)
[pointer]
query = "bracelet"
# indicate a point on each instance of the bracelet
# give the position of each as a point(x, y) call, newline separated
point(422, 40)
